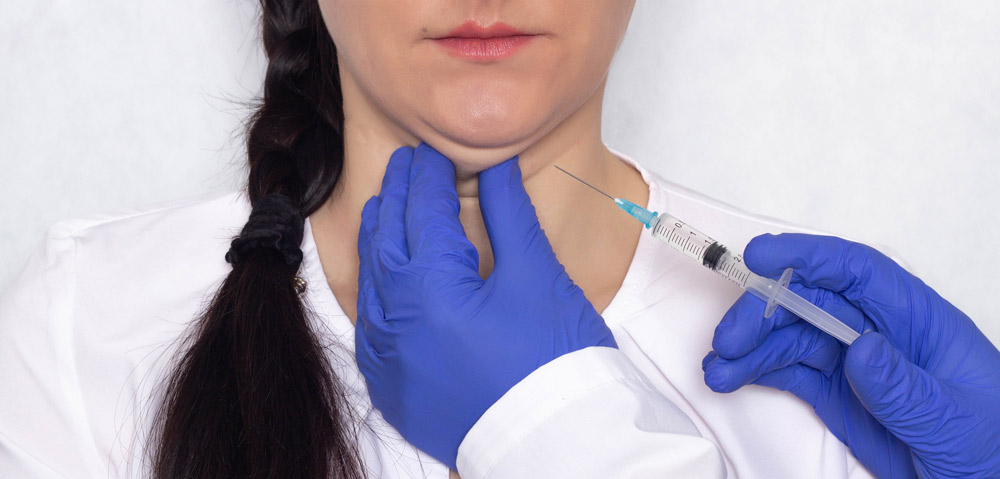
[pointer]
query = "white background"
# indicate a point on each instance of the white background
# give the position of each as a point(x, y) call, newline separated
point(878, 121)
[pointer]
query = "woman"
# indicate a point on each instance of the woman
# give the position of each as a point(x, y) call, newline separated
point(96, 374)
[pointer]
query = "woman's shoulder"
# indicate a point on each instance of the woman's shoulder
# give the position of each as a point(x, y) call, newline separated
point(114, 263)
point(166, 221)
point(92, 321)
point(191, 228)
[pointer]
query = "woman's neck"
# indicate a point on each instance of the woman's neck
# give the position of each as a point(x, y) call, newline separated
point(585, 229)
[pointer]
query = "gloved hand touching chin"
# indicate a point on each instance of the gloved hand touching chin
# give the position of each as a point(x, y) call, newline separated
point(919, 395)
point(437, 344)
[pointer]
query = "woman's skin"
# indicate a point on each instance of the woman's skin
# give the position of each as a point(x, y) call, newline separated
point(543, 103)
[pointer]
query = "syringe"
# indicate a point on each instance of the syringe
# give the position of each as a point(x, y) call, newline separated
point(716, 257)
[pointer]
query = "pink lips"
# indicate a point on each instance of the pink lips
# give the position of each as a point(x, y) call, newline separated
point(484, 44)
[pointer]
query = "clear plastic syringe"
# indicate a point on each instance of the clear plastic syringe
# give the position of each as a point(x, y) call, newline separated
point(716, 257)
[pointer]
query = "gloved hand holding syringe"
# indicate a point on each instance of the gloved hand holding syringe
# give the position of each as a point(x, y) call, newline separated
point(716, 257)
point(918, 395)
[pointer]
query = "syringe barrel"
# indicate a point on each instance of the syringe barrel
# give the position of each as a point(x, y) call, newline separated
point(678, 235)
point(705, 250)
point(699, 247)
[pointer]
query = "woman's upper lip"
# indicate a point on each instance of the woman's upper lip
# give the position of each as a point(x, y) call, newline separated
point(472, 29)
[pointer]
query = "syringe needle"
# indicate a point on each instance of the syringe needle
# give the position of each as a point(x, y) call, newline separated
point(773, 292)
point(584, 182)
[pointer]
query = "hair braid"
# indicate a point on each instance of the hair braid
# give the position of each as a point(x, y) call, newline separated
point(254, 396)
point(301, 117)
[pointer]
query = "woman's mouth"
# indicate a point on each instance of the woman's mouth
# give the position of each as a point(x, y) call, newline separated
point(476, 43)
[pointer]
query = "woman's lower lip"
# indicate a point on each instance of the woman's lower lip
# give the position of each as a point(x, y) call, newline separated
point(484, 49)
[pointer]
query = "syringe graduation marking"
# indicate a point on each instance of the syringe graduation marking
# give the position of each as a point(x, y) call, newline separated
point(735, 274)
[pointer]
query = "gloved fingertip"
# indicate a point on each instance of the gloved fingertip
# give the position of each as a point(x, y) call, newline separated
point(757, 246)
point(499, 176)
point(430, 169)
point(761, 240)
point(764, 256)
point(510, 219)
point(369, 223)
point(708, 359)
point(370, 210)
point(513, 166)
point(724, 342)
point(402, 151)
point(398, 168)
point(718, 378)
point(426, 151)
point(742, 328)
point(875, 370)
point(870, 350)
point(401, 157)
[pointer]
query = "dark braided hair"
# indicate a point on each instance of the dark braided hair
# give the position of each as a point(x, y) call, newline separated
point(254, 395)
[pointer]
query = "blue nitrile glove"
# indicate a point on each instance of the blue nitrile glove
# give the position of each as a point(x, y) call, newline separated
point(437, 344)
point(918, 395)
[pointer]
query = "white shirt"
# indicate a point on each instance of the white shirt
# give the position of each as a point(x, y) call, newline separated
point(88, 331)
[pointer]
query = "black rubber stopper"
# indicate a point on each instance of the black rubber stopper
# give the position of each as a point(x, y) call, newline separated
point(713, 255)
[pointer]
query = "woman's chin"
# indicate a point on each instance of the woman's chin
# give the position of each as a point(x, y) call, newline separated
point(480, 137)
point(472, 154)
point(499, 138)
point(471, 158)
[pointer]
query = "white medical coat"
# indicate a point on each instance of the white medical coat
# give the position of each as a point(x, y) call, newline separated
point(87, 333)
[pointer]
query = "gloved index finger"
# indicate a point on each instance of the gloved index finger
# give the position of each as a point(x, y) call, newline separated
point(516, 237)
point(433, 229)
point(744, 326)
point(370, 319)
point(390, 237)
point(824, 262)
point(867, 278)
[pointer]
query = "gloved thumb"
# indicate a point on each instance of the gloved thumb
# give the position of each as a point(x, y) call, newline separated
point(900, 395)
point(510, 219)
